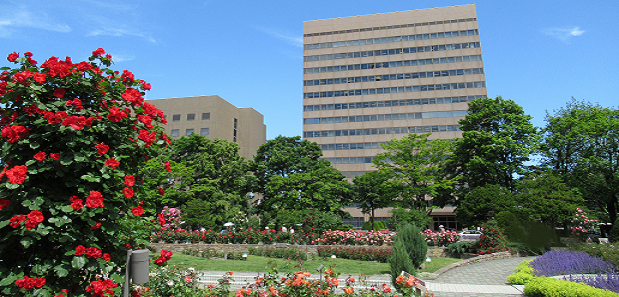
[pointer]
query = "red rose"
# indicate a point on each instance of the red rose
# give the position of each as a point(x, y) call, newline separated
point(113, 163)
point(4, 203)
point(39, 156)
point(98, 52)
point(54, 156)
point(12, 57)
point(167, 166)
point(129, 180)
point(76, 122)
point(133, 96)
point(128, 192)
point(161, 220)
point(39, 77)
point(93, 252)
point(116, 114)
point(13, 133)
point(106, 257)
point(149, 138)
point(161, 192)
point(79, 250)
point(17, 175)
point(94, 199)
point(137, 211)
point(34, 218)
point(159, 261)
point(145, 86)
point(102, 148)
point(60, 92)
point(17, 220)
point(96, 226)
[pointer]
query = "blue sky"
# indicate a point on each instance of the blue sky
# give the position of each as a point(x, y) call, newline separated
point(538, 53)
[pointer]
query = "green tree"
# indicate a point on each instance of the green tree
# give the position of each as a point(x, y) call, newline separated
point(73, 137)
point(400, 216)
point(582, 146)
point(373, 191)
point(497, 140)
point(209, 170)
point(544, 197)
point(292, 176)
point(415, 165)
point(483, 203)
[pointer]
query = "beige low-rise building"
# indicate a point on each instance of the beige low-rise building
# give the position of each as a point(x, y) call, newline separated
point(372, 78)
point(214, 117)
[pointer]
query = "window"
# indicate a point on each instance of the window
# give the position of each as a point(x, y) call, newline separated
point(191, 116)
point(204, 131)
point(176, 118)
point(188, 132)
point(206, 116)
point(174, 132)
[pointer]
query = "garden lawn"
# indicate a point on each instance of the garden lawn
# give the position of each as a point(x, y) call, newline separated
point(263, 264)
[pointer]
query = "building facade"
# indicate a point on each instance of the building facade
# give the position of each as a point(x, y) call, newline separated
point(214, 117)
point(369, 79)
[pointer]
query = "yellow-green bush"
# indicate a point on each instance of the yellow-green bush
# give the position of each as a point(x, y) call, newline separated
point(522, 274)
point(551, 287)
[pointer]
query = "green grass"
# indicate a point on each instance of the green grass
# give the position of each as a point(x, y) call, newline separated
point(263, 264)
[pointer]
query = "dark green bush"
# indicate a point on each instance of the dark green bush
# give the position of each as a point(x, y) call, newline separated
point(415, 243)
point(511, 226)
point(363, 253)
point(400, 261)
point(288, 253)
point(378, 225)
point(613, 235)
point(462, 247)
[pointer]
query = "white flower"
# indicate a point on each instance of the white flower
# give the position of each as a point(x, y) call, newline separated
point(191, 269)
point(170, 283)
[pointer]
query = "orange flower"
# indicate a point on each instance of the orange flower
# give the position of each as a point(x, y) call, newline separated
point(348, 290)
point(399, 279)
point(230, 272)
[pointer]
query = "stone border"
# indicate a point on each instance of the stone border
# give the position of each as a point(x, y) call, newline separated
point(482, 258)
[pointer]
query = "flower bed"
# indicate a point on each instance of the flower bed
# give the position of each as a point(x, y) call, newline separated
point(380, 254)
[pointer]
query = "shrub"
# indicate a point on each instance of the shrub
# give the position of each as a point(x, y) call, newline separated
point(568, 262)
point(171, 281)
point(522, 274)
point(288, 253)
point(378, 225)
point(546, 286)
point(400, 261)
point(440, 238)
point(613, 235)
point(462, 247)
point(73, 138)
point(511, 226)
point(608, 281)
point(379, 254)
point(492, 240)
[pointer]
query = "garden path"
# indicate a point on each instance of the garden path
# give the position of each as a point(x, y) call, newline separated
point(483, 279)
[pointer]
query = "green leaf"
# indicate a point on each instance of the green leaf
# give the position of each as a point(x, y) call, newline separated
point(34, 145)
point(61, 271)
point(79, 158)
point(42, 292)
point(90, 178)
point(66, 208)
point(11, 186)
point(30, 162)
point(8, 280)
point(78, 262)
point(4, 223)
point(26, 241)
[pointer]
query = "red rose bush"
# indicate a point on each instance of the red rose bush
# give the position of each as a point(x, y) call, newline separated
point(72, 138)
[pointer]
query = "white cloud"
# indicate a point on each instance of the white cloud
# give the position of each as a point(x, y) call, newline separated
point(120, 32)
point(117, 58)
point(21, 16)
point(564, 34)
point(292, 40)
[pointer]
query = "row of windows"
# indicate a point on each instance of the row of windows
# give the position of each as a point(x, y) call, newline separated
point(369, 78)
point(352, 174)
point(375, 131)
point(390, 39)
point(351, 146)
point(390, 103)
point(393, 51)
point(190, 117)
point(351, 160)
point(390, 27)
point(386, 117)
point(392, 64)
point(176, 132)
point(423, 88)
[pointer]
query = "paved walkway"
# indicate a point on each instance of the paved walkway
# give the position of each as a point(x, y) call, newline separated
point(483, 279)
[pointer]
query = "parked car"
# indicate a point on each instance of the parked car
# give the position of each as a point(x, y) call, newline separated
point(470, 235)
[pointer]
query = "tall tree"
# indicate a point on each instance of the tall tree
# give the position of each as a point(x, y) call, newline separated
point(483, 203)
point(292, 176)
point(497, 140)
point(582, 146)
point(373, 191)
point(414, 165)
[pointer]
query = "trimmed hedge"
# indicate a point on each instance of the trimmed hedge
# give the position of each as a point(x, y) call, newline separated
point(522, 274)
point(547, 286)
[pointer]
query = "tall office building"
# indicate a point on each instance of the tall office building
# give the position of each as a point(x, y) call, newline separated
point(214, 117)
point(369, 79)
